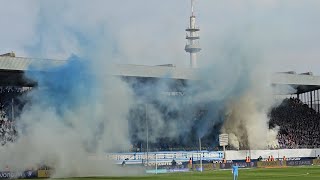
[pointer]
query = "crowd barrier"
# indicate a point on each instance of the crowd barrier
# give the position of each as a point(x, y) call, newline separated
point(206, 166)
point(139, 157)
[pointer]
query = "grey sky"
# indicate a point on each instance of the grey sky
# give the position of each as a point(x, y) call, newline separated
point(285, 34)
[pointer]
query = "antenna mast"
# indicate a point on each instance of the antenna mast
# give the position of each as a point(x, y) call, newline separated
point(192, 37)
point(192, 4)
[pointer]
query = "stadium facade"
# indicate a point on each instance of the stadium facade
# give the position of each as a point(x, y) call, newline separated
point(12, 78)
point(12, 69)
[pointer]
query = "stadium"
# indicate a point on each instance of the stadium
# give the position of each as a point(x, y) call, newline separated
point(13, 83)
point(302, 104)
point(77, 119)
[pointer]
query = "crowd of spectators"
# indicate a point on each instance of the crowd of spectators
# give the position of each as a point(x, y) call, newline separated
point(8, 131)
point(9, 103)
point(185, 142)
point(299, 127)
point(299, 124)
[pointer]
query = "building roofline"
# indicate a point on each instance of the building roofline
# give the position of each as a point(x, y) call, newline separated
point(130, 70)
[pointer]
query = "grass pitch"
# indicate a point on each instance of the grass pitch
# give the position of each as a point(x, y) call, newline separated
point(295, 173)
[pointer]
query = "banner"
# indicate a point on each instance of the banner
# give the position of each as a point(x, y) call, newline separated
point(239, 164)
point(316, 161)
point(44, 173)
point(178, 170)
point(307, 162)
point(160, 171)
point(10, 175)
point(206, 166)
point(15, 175)
point(271, 164)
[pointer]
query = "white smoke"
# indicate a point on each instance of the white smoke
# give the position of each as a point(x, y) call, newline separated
point(62, 140)
point(247, 115)
point(248, 124)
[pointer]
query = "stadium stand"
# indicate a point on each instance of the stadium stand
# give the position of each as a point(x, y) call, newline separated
point(8, 131)
point(299, 124)
point(8, 96)
point(299, 128)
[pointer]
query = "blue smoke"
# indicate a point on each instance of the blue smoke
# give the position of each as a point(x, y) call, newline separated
point(64, 87)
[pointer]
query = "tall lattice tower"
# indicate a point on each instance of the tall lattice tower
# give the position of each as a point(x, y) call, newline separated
point(192, 37)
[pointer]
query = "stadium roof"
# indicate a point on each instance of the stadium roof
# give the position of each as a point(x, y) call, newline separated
point(22, 64)
point(302, 82)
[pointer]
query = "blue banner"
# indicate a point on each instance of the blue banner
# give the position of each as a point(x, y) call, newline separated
point(15, 175)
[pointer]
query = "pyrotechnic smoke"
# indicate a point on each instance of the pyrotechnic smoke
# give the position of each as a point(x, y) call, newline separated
point(235, 91)
point(78, 108)
point(247, 123)
point(75, 110)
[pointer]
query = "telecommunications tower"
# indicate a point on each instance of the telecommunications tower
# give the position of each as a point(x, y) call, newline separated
point(192, 37)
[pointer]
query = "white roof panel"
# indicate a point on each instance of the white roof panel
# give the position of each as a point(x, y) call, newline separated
point(22, 64)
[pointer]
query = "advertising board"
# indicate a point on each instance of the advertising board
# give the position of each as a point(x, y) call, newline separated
point(43, 173)
point(306, 162)
point(239, 164)
point(16, 175)
point(271, 164)
point(205, 167)
point(316, 161)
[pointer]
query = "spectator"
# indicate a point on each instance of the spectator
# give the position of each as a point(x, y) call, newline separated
point(299, 125)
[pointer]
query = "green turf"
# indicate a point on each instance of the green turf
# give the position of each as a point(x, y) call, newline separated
point(296, 173)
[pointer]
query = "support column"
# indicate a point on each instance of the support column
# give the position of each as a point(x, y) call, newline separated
point(311, 99)
point(314, 100)
point(200, 154)
point(147, 133)
point(318, 102)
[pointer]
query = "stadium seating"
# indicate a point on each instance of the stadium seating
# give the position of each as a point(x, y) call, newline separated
point(8, 95)
point(299, 124)
point(7, 129)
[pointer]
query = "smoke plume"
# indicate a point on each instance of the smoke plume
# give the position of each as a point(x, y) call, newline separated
point(233, 95)
point(74, 111)
point(79, 109)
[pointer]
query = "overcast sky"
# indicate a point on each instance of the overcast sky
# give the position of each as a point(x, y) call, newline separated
point(284, 33)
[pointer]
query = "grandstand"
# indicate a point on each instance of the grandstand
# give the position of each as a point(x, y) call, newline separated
point(303, 101)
